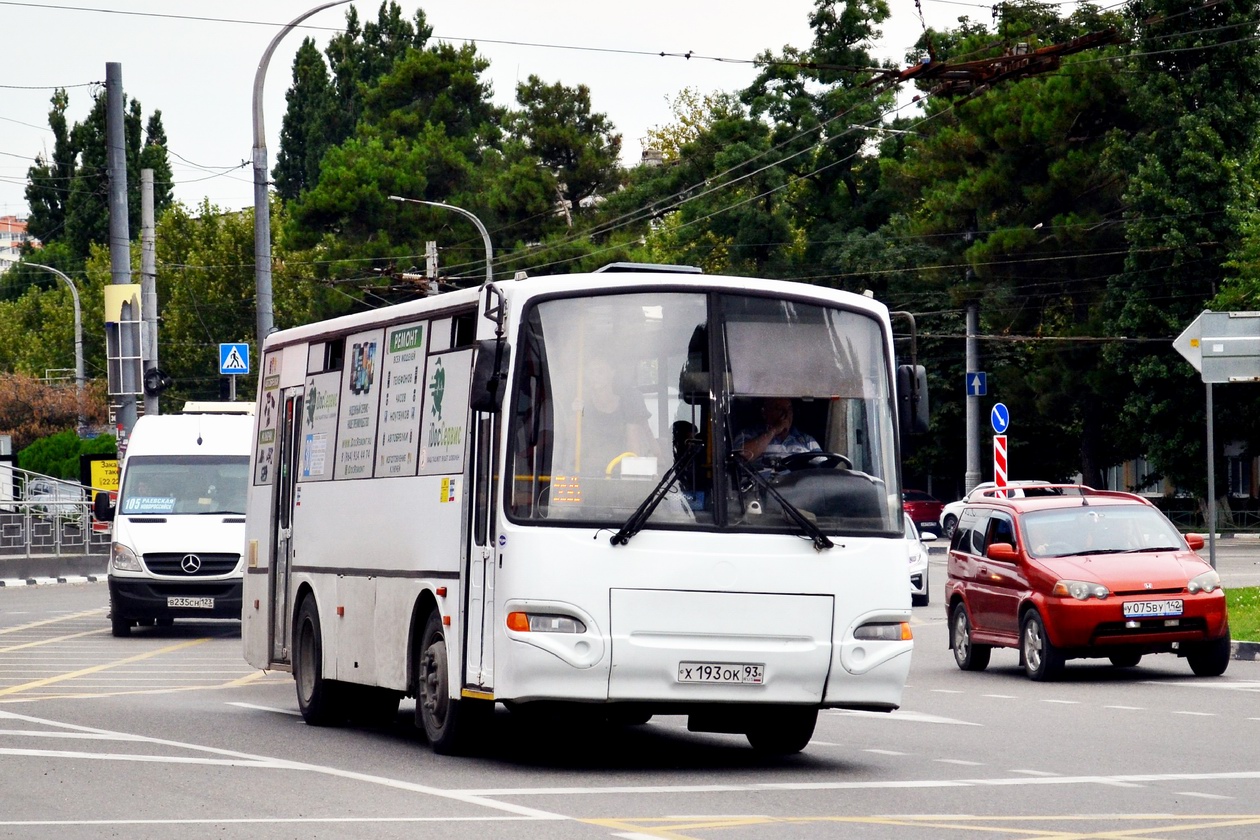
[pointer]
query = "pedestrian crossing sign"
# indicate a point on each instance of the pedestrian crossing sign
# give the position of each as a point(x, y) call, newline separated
point(233, 359)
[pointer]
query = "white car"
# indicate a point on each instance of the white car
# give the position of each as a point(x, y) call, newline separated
point(918, 562)
point(949, 514)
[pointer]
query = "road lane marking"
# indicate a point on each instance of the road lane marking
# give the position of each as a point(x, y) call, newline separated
point(1202, 795)
point(1196, 714)
point(99, 612)
point(903, 716)
point(16, 689)
point(54, 639)
point(234, 757)
point(272, 709)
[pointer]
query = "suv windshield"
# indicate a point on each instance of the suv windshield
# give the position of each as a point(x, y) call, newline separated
point(611, 390)
point(1099, 529)
point(184, 484)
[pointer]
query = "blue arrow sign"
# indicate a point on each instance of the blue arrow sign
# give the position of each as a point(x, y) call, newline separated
point(233, 359)
point(976, 384)
point(1000, 418)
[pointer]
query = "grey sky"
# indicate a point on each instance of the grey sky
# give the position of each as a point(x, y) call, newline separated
point(200, 72)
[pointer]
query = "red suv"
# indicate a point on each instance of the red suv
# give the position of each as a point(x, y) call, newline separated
point(1099, 574)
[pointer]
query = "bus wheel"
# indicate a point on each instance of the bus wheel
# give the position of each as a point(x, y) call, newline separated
point(450, 725)
point(783, 731)
point(318, 699)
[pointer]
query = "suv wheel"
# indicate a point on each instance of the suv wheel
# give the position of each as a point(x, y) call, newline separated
point(969, 655)
point(948, 525)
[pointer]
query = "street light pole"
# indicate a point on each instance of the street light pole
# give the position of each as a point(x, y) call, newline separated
point(485, 236)
point(78, 342)
point(262, 206)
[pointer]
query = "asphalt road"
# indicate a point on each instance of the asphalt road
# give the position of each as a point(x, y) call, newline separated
point(170, 733)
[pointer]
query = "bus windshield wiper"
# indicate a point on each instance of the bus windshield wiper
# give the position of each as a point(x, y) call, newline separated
point(654, 498)
point(790, 510)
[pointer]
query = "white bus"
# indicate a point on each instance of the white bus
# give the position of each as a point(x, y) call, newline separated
point(532, 494)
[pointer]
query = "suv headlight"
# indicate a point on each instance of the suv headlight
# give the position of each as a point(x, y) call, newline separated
point(1209, 581)
point(1081, 590)
point(124, 559)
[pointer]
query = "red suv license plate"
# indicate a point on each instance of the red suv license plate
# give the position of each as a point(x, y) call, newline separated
point(1141, 609)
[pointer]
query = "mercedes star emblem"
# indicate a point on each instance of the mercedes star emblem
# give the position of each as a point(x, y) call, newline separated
point(191, 564)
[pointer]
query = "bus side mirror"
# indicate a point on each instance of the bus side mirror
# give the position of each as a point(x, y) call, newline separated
point(489, 379)
point(102, 508)
point(912, 399)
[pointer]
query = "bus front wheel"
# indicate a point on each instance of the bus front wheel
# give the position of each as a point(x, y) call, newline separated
point(783, 731)
point(450, 725)
point(319, 699)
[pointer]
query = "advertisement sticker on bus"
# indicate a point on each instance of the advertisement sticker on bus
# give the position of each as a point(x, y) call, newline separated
point(320, 424)
point(356, 434)
point(401, 401)
point(268, 418)
point(445, 419)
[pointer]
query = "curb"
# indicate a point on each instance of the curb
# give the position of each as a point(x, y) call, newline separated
point(1245, 651)
point(44, 581)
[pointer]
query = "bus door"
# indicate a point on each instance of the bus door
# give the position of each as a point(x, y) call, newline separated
point(482, 559)
point(286, 473)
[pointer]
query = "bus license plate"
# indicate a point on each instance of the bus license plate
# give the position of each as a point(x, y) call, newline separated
point(194, 603)
point(730, 673)
point(1139, 609)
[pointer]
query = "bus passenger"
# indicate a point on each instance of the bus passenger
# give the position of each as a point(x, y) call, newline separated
point(614, 421)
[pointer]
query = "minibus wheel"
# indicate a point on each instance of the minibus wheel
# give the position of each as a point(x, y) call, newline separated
point(319, 699)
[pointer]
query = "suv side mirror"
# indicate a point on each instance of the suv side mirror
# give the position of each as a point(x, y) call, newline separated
point(102, 507)
point(1004, 552)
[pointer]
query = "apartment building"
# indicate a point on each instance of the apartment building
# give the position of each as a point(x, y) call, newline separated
point(13, 236)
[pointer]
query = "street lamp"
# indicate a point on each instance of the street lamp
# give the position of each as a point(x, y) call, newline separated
point(262, 208)
point(485, 237)
point(78, 341)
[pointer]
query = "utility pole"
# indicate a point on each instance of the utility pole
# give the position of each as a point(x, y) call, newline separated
point(120, 238)
point(148, 285)
point(972, 476)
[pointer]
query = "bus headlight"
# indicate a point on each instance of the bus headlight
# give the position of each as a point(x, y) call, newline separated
point(523, 622)
point(124, 559)
point(1209, 581)
point(884, 632)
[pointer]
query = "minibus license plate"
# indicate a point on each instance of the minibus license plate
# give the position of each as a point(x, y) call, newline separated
point(733, 673)
point(195, 603)
point(1138, 609)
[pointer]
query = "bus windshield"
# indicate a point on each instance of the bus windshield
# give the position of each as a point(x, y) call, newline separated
point(164, 484)
point(767, 410)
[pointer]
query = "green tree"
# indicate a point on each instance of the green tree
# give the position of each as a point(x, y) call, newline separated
point(1190, 180)
point(324, 105)
point(579, 147)
point(69, 195)
point(48, 181)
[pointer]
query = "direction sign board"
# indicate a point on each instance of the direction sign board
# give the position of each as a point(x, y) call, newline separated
point(1223, 346)
point(1000, 417)
point(976, 383)
point(233, 359)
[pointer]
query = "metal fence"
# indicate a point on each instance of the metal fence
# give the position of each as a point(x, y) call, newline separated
point(41, 529)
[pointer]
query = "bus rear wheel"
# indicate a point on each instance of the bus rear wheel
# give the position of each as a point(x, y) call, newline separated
point(452, 726)
point(783, 731)
point(319, 699)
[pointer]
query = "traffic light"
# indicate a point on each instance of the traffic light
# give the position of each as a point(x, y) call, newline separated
point(156, 381)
